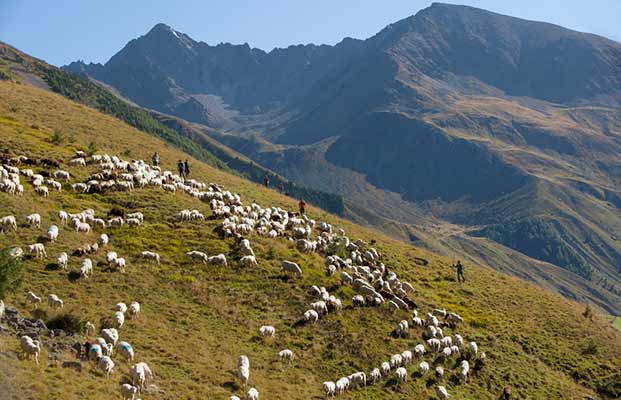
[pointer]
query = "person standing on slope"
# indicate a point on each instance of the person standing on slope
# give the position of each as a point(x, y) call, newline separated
point(155, 159)
point(181, 169)
point(186, 168)
point(266, 181)
point(460, 271)
point(302, 205)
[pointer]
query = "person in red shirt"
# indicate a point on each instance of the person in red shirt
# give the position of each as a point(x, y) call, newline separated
point(302, 205)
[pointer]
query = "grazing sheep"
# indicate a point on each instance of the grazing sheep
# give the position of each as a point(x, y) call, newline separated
point(253, 394)
point(464, 369)
point(439, 372)
point(54, 302)
point(60, 174)
point(62, 260)
point(33, 299)
point(357, 379)
point(197, 255)
point(119, 319)
point(110, 335)
point(329, 388)
point(149, 255)
point(402, 374)
point(243, 369)
point(52, 233)
point(291, 267)
point(128, 391)
point(133, 222)
point(392, 306)
point(320, 307)
point(119, 263)
point(402, 329)
point(63, 216)
point(396, 360)
point(116, 222)
point(95, 352)
point(407, 357)
point(375, 375)
point(126, 351)
point(34, 220)
point(38, 249)
point(77, 162)
point(342, 384)
point(423, 367)
point(233, 397)
point(111, 256)
point(442, 393)
point(311, 316)
point(474, 349)
point(30, 347)
point(8, 222)
point(42, 191)
point(140, 374)
point(90, 328)
point(106, 365)
point(104, 239)
point(82, 227)
point(358, 300)
point(220, 260)
point(86, 268)
point(248, 261)
point(286, 355)
point(385, 367)
point(121, 307)
point(267, 331)
point(133, 310)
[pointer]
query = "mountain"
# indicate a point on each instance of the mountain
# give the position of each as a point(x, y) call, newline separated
point(474, 134)
point(196, 320)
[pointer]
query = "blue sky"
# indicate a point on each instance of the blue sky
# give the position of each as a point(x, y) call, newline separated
point(61, 31)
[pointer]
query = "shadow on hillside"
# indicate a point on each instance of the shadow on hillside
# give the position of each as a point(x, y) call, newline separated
point(52, 267)
point(73, 276)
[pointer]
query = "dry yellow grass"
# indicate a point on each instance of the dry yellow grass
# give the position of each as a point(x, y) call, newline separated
point(197, 321)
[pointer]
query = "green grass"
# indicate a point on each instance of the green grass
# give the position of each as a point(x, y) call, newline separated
point(617, 323)
point(197, 320)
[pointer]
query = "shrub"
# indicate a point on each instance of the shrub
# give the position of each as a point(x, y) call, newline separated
point(68, 322)
point(11, 273)
point(57, 137)
point(91, 149)
point(588, 312)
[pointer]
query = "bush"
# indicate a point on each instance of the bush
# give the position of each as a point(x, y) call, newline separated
point(57, 137)
point(68, 322)
point(91, 149)
point(588, 312)
point(11, 273)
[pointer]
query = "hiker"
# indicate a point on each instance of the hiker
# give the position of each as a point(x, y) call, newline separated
point(155, 159)
point(186, 168)
point(302, 205)
point(266, 181)
point(281, 188)
point(181, 169)
point(460, 272)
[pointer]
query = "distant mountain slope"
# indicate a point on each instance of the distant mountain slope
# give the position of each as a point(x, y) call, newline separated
point(508, 128)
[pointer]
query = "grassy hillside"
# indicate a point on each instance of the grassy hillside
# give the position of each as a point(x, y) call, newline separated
point(197, 320)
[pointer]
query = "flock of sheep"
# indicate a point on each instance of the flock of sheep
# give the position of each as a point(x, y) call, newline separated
point(376, 285)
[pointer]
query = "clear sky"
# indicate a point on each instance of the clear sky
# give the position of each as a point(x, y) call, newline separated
point(60, 31)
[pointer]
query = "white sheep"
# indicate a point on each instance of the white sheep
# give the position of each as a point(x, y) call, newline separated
point(62, 260)
point(104, 239)
point(106, 365)
point(197, 255)
point(86, 268)
point(128, 391)
point(248, 261)
point(267, 331)
point(126, 351)
point(407, 357)
point(423, 367)
point(342, 384)
point(140, 374)
point(119, 319)
point(42, 191)
point(474, 349)
point(96, 352)
point(442, 393)
point(464, 369)
point(63, 216)
point(110, 335)
point(54, 302)
point(33, 299)
point(243, 369)
point(396, 360)
point(285, 355)
point(34, 220)
point(375, 375)
point(121, 307)
point(329, 388)
point(385, 368)
point(82, 227)
point(8, 222)
point(133, 222)
point(30, 347)
point(52, 233)
point(291, 267)
point(119, 263)
point(402, 374)
point(77, 162)
point(111, 256)
point(311, 316)
point(149, 255)
point(133, 310)
point(38, 249)
point(253, 394)
point(220, 260)
point(90, 328)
